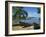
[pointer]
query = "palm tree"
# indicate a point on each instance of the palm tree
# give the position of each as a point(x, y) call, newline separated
point(38, 10)
point(19, 13)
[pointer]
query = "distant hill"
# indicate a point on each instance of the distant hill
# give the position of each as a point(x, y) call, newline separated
point(31, 20)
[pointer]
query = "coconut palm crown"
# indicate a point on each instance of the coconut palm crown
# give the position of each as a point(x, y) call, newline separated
point(19, 13)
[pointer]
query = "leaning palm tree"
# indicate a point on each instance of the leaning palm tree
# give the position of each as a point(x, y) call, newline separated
point(19, 13)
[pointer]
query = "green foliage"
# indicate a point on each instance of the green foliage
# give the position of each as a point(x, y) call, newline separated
point(19, 13)
point(36, 26)
point(38, 10)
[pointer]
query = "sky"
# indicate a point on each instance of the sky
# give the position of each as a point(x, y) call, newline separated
point(32, 11)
